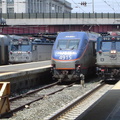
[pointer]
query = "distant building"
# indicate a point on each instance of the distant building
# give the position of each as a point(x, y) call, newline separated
point(35, 6)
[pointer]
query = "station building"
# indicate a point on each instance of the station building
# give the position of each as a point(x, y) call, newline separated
point(35, 6)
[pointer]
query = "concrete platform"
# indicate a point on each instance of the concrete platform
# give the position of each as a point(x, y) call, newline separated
point(106, 108)
point(22, 76)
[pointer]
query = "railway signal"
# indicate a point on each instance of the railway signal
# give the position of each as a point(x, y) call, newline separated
point(83, 3)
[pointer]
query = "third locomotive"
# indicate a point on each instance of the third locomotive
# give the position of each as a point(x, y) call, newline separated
point(108, 57)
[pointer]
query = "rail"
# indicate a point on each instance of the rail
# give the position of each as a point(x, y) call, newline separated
point(59, 114)
point(23, 101)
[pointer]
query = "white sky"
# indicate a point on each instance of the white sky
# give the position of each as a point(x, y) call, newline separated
point(105, 6)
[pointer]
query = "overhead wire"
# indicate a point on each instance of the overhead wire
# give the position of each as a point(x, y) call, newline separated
point(109, 5)
point(118, 4)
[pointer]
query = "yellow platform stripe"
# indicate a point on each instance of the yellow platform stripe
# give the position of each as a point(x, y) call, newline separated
point(117, 86)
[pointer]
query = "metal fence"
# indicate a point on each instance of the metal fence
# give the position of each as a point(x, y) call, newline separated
point(59, 15)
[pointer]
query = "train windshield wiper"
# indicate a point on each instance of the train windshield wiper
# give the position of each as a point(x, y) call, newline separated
point(74, 47)
point(60, 48)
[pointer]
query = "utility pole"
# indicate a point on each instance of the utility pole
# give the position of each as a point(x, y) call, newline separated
point(0, 12)
point(93, 6)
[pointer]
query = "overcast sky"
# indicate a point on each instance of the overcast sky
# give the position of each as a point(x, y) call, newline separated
point(105, 6)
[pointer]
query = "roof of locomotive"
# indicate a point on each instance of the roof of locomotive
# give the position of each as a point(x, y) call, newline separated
point(77, 35)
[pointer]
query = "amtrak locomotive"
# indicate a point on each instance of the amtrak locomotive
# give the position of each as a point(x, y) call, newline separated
point(73, 55)
point(108, 57)
point(25, 49)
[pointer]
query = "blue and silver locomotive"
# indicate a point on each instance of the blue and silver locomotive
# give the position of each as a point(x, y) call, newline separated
point(25, 49)
point(73, 55)
point(108, 57)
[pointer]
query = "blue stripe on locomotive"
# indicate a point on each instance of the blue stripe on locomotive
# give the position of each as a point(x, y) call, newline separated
point(75, 54)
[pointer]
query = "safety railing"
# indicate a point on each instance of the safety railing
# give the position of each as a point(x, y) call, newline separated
point(58, 15)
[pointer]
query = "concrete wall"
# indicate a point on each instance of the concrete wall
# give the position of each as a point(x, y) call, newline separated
point(62, 19)
point(65, 21)
point(26, 79)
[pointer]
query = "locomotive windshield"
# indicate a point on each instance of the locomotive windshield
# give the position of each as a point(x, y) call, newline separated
point(106, 46)
point(67, 44)
point(110, 45)
point(20, 42)
point(15, 42)
point(118, 45)
point(20, 45)
point(25, 41)
point(14, 47)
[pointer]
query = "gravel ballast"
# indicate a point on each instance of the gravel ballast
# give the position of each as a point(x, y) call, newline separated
point(45, 107)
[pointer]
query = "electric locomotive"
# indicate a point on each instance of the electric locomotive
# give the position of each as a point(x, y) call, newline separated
point(73, 55)
point(25, 49)
point(108, 57)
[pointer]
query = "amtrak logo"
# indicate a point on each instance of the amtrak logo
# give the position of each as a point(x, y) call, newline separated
point(65, 55)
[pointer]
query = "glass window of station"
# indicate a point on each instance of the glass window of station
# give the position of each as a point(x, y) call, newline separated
point(10, 1)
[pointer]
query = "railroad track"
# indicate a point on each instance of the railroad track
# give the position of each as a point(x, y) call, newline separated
point(73, 110)
point(23, 101)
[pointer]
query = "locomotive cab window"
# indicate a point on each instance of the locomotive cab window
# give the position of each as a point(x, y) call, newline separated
point(68, 44)
point(118, 45)
point(62, 44)
point(73, 44)
point(14, 47)
point(106, 45)
point(25, 41)
point(15, 42)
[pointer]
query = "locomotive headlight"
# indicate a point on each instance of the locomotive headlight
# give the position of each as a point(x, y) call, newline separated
point(113, 51)
point(104, 38)
point(19, 52)
point(118, 38)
